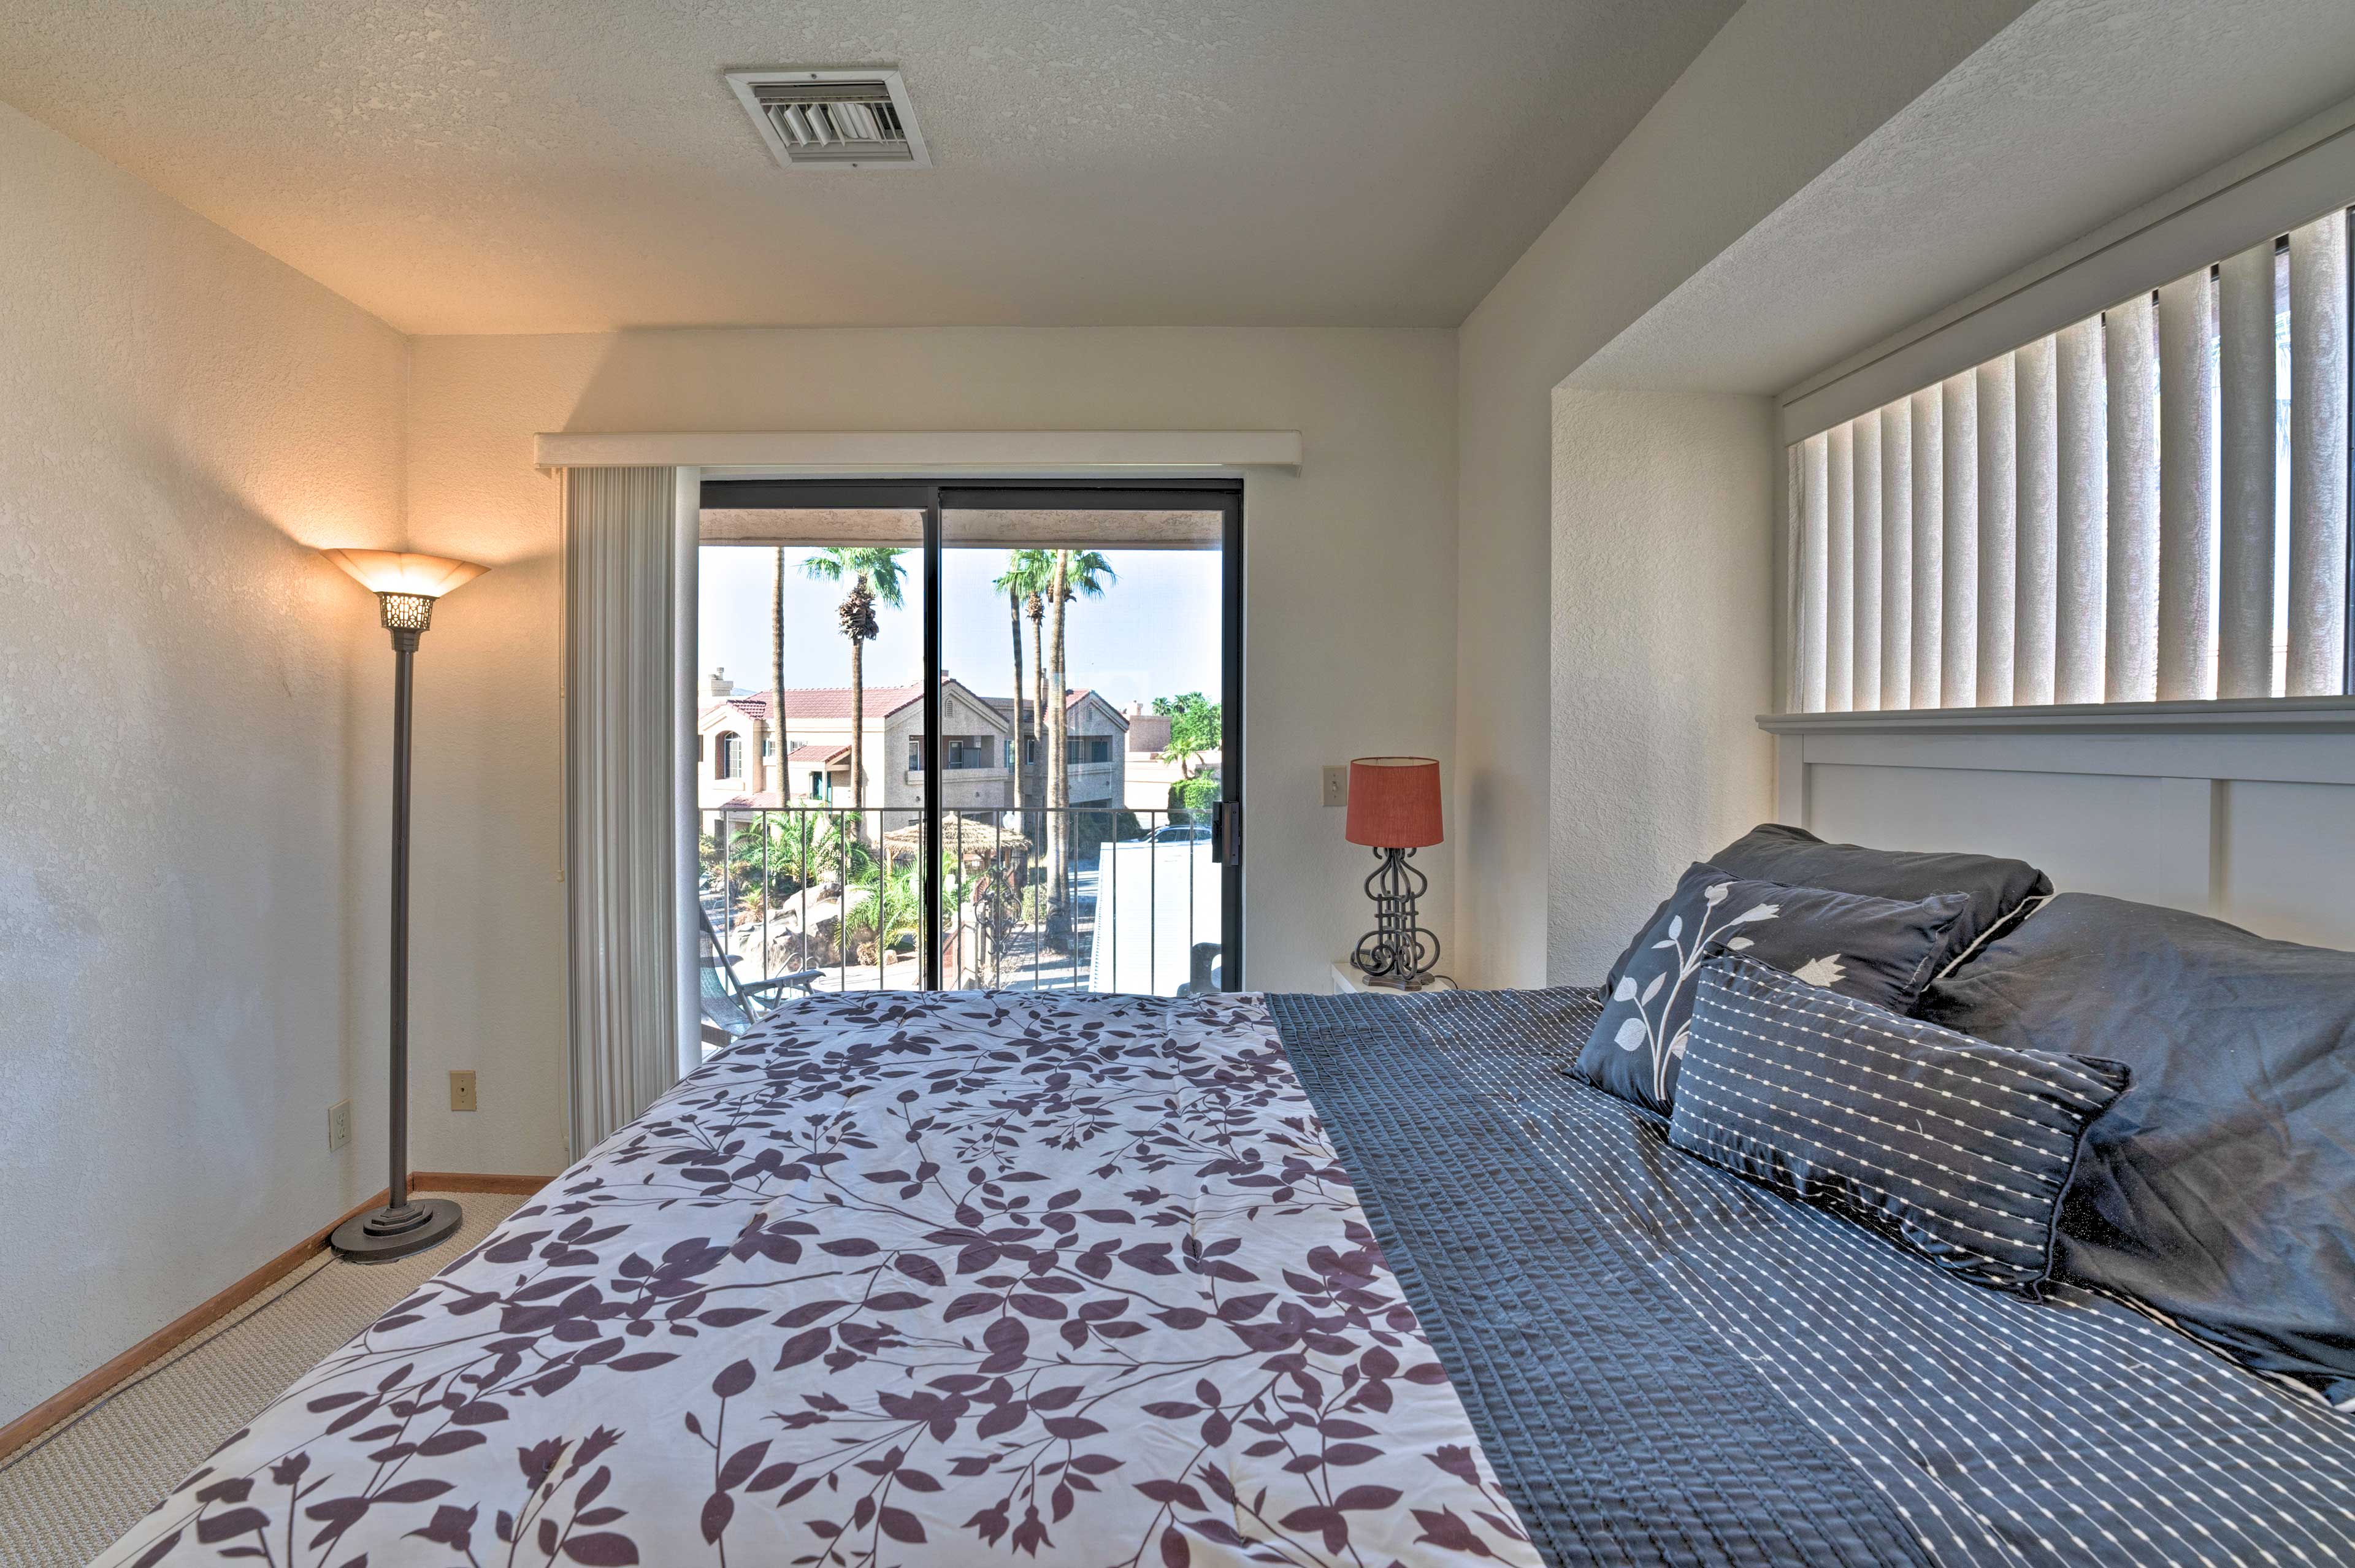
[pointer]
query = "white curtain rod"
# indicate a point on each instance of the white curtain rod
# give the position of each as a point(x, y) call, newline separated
point(908, 451)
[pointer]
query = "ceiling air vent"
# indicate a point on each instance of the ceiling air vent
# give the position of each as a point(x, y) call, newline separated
point(833, 119)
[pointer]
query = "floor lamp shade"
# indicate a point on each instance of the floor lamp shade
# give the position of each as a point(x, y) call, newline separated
point(405, 586)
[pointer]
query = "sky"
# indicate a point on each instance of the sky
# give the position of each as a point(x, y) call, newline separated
point(1154, 633)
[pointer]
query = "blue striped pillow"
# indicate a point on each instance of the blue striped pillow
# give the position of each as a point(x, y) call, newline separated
point(1959, 1148)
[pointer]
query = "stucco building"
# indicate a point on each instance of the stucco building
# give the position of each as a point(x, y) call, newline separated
point(737, 766)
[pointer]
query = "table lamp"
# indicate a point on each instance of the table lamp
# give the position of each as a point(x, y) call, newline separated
point(1394, 810)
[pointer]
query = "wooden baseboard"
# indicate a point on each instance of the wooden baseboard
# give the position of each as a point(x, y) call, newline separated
point(194, 1321)
point(477, 1182)
point(172, 1335)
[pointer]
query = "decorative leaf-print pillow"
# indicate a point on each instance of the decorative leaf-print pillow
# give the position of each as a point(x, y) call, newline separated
point(1877, 950)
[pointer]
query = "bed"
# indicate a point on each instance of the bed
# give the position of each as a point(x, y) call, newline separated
point(1111, 1280)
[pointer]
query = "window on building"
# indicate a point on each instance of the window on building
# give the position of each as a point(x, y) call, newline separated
point(818, 790)
point(729, 765)
point(2148, 506)
point(1091, 748)
point(768, 745)
point(957, 751)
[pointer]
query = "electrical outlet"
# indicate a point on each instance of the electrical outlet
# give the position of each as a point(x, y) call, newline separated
point(1337, 784)
point(461, 1090)
point(339, 1123)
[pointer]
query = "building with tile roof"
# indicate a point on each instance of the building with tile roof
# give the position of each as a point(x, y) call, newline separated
point(738, 769)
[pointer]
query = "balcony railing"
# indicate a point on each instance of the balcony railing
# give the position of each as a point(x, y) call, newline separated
point(831, 900)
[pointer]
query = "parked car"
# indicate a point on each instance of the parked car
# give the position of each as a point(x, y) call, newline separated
point(1182, 833)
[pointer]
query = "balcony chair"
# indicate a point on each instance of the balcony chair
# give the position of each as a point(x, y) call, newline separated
point(730, 1006)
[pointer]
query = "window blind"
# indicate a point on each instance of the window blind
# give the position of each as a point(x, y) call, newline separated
point(2150, 505)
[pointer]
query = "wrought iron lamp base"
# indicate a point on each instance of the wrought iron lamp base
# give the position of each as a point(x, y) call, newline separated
point(1396, 953)
point(383, 1234)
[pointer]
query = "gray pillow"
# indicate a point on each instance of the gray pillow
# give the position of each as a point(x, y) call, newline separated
point(1958, 1148)
point(1878, 949)
point(2221, 1188)
point(1997, 889)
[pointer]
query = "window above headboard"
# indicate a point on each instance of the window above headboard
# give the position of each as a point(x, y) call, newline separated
point(2149, 505)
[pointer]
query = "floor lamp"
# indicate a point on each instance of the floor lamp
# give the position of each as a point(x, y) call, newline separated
point(405, 587)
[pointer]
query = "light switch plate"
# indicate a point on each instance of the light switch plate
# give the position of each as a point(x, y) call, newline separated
point(339, 1123)
point(461, 1090)
point(1337, 784)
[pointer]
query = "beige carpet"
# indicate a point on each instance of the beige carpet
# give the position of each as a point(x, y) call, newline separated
point(69, 1493)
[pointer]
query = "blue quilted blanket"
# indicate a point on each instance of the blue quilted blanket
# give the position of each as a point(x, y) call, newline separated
point(1666, 1364)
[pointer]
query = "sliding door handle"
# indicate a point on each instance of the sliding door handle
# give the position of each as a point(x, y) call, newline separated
point(1227, 833)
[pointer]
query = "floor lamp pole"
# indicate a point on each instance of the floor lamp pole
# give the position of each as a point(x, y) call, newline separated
point(400, 1227)
point(404, 662)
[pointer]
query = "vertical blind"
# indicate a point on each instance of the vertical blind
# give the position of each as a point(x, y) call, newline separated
point(622, 817)
point(2147, 505)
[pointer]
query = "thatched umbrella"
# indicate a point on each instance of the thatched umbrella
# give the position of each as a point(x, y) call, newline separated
point(962, 837)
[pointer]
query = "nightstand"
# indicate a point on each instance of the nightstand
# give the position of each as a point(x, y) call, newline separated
point(1347, 981)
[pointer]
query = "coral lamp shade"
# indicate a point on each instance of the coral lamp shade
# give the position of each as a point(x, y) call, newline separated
point(1394, 802)
point(392, 571)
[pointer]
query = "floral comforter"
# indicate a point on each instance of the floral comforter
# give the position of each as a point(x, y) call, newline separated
point(943, 1279)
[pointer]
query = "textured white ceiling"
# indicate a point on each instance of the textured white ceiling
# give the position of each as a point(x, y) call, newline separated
point(543, 166)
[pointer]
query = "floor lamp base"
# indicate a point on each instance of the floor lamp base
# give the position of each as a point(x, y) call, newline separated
point(381, 1235)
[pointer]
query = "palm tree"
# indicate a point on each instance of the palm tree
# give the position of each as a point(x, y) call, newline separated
point(1034, 604)
point(1193, 729)
point(891, 909)
point(875, 574)
point(765, 865)
point(777, 682)
point(1024, 575)
point(1072, 574)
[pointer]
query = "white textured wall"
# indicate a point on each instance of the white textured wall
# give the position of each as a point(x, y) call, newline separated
point(1784, 91)
point(1662, 506)
point(1351, 627)
point(180, 419)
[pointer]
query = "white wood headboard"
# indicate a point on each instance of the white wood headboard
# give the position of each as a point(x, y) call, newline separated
point(2244, 811)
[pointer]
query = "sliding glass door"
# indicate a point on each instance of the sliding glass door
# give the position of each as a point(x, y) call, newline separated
point(970, 734)
point(1088, 694)
point(811, 617)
